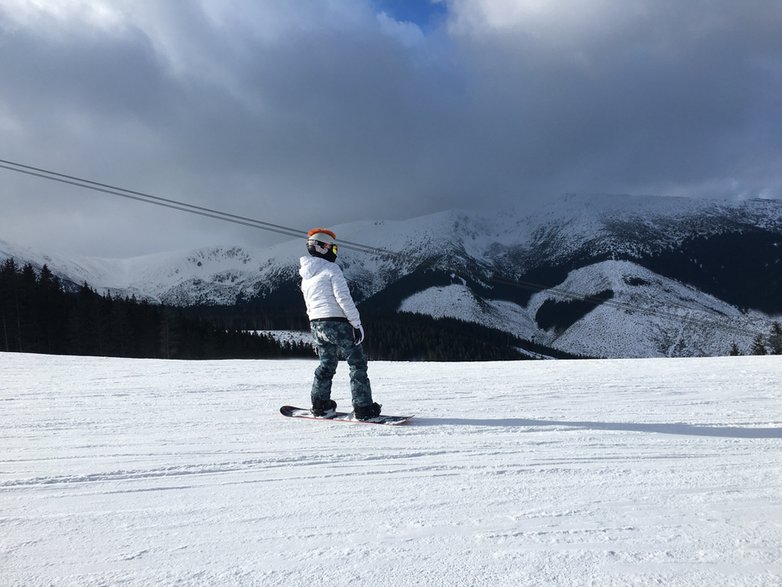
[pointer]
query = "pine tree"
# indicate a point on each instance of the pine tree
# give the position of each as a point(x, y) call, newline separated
point(50, 312)
point(759, 346)
point(26, 316)
point(775, 339)
point(734, 350)
point(7, 306)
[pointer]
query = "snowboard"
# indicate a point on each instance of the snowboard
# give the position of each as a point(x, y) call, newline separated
point(294, 412)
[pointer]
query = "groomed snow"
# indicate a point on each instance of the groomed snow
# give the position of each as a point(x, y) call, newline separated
point(615, 472)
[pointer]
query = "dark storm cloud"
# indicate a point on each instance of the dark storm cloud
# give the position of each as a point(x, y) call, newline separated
point(634, 96)
point(324, 112)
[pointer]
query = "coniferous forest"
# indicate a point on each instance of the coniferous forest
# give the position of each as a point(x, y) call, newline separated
point(37, 315)
point(414, 337)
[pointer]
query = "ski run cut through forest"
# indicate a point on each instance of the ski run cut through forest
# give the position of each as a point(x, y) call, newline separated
point(594, 472)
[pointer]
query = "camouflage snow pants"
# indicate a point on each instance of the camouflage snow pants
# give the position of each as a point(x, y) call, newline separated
point(333, 339)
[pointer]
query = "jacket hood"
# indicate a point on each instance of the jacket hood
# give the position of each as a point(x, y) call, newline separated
point(311, 266)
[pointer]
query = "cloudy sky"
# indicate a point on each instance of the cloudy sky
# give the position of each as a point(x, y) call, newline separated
point(319, 112)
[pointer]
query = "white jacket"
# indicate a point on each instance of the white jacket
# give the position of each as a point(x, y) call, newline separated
point(326, 292)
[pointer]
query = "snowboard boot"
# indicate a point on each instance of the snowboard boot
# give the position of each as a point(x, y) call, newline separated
point(366, 412)
point(324, 408)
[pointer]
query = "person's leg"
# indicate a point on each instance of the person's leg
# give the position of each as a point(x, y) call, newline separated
point(327, 351)
point(360, 387)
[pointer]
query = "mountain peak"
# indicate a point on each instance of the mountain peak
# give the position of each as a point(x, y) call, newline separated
point(470, 261)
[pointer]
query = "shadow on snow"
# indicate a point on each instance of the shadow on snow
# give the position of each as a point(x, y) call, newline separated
point(673, 428)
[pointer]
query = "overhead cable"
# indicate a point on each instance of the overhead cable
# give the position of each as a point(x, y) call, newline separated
point(372, 250)
point(172, 204)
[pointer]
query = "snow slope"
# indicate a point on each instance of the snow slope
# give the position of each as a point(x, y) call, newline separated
point(614, 472)
point(649, 315)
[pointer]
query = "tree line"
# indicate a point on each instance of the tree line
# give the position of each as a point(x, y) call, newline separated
point(38, 315)
point(415, 337)
point(764, 345)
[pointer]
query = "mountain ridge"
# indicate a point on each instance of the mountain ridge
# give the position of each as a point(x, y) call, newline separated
point(502, 268)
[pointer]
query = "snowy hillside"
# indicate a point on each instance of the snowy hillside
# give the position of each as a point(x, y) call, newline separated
point(648, 315)
point(676, 270)
point(204, 276)
point(454, 241)
point(561, 473)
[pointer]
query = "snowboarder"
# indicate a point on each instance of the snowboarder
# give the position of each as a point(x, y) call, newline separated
point(336, 327)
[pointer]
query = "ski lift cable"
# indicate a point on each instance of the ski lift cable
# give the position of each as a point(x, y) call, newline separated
point(170, 203)
point(293, 232)
point(140, 199)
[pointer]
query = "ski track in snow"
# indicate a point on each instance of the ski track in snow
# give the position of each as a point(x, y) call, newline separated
point(614, 472)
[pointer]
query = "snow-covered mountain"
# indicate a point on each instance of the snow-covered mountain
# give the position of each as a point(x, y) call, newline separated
point(661, 276)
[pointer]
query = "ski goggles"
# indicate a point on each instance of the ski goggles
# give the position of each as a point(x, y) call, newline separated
point(323, 247)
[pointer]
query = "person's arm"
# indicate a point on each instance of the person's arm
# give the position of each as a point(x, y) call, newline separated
point(342, 294)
